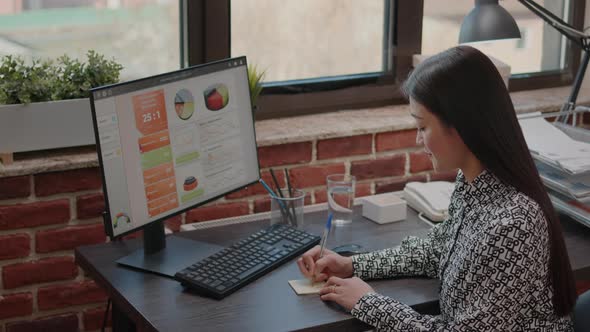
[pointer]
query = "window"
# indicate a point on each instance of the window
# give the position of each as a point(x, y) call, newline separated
point(523, 42)
point(142, 35)
point(309, 39)
point(542, 50)
point(218, 29)
point(319, 55)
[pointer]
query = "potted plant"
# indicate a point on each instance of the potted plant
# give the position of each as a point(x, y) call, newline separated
point(255, 78)
point(45, 105)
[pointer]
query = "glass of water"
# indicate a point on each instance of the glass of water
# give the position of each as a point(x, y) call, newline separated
point(340, 197)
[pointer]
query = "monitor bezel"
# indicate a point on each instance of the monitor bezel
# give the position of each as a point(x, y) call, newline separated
point(107, 220)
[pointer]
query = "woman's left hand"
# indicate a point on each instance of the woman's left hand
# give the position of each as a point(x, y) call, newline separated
point(345, 292)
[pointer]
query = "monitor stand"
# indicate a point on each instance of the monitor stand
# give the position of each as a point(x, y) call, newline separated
point(166, 256)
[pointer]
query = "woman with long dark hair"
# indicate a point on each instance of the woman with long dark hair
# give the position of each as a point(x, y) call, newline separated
point(500, 255)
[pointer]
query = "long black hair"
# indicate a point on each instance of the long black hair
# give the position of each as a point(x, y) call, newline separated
point(463, 88)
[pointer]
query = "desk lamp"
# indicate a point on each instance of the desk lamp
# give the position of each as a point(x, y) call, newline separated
point(489, 21)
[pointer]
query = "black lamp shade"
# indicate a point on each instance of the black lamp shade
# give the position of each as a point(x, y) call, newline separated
point(488, 21)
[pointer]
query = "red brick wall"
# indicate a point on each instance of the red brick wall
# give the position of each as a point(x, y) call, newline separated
point(43, 217)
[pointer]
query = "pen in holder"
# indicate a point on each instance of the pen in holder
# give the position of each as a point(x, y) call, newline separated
point(290, 189)
point(287, 209)
point(293, 208)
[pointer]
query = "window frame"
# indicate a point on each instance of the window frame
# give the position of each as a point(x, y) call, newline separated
point(205, 33)
point(556, 78)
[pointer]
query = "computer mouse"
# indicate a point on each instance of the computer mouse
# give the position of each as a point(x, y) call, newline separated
point(348, 249)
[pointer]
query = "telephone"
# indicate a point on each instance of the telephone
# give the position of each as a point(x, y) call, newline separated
point(432, 199)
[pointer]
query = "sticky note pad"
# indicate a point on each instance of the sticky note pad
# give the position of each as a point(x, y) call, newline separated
point(304, 286)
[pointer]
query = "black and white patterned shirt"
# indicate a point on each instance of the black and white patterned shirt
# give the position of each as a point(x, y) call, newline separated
point(491, 256)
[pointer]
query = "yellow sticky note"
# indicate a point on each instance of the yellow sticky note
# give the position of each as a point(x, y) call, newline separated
point(304, 286)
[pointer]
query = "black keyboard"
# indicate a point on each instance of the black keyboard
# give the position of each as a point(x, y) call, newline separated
point(236, 266)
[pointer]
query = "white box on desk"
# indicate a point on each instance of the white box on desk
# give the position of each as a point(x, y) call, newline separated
point(384, 208)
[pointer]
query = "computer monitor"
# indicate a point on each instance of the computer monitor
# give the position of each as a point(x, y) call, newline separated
point(167, 144)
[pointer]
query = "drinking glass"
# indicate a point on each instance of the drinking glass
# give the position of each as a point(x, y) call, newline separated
point(340, 193)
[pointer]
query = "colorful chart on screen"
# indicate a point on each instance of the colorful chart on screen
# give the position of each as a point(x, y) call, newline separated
point(155, 152)
point(216, 97)
point(166, 149)
point(184, 104)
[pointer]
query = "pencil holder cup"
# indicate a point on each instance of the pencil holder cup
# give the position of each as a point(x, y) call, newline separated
point(288, 209)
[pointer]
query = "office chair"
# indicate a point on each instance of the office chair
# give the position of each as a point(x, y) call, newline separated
point(582, 313)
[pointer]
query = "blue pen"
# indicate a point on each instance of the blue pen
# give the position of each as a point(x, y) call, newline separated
point(272, 193)
point(325, 235)
point(284, 209)
point(324, 240)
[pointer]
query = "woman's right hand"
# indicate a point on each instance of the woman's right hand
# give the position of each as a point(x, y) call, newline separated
point(320, 269)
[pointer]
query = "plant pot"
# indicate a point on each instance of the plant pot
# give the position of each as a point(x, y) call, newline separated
point(46, 125)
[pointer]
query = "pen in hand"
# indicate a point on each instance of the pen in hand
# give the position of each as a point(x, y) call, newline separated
point(325, 235)
point(324, 240)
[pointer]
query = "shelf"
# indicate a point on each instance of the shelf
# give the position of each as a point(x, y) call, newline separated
point(568, 186)
point(579, 210)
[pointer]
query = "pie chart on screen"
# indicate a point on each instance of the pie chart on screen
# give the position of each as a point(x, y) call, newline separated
point(184, 104)
point(216, 97)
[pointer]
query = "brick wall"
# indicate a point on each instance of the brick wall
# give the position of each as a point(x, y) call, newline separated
point(43, 217)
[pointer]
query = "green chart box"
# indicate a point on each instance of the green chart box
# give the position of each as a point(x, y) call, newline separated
point(192, 195)
point(156, 157)
point(185, 158)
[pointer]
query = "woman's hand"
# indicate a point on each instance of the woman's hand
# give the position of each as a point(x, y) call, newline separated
point(320, 269)
point(345, 292)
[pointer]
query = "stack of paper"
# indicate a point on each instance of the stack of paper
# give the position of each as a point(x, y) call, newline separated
point(551, 145)
point(573, 186)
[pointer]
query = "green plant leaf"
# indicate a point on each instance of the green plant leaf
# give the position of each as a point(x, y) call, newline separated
point(255, 78)
point(45, 80)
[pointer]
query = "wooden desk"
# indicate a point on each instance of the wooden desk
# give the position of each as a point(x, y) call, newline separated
point(155, 303)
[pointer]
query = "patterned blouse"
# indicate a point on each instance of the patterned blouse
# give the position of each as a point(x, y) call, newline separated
point(491, 255)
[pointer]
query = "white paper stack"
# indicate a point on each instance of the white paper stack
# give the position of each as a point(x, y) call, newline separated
point(573, 186)
point(552, 146)
point(562, 157)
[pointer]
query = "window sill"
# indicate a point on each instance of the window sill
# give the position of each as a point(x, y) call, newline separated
point(388, 118)
point(298, 129)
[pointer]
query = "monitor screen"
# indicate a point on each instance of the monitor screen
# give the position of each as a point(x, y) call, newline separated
point(171, 142)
